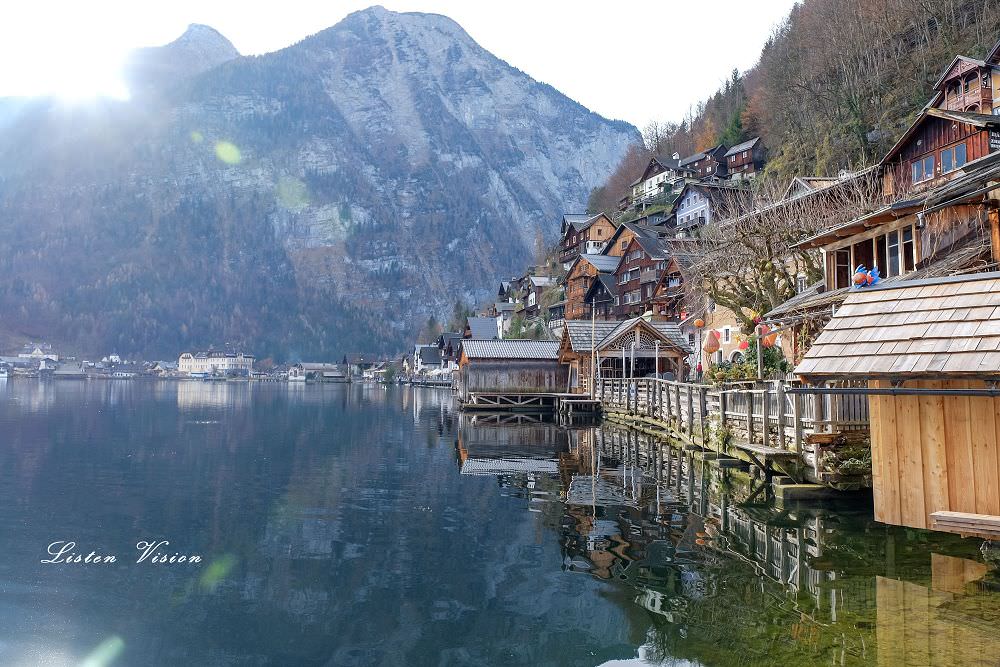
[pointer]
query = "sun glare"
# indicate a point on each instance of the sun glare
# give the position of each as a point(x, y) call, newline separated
point(78, 76)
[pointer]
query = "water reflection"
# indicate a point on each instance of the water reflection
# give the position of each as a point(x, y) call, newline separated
point(363, 525)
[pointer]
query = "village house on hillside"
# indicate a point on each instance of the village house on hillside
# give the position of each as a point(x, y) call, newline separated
point(658, 179)
point(710, 163)
point(941, 217)
point(745, 160)
point(699, 203)
point(583, 234)
point(580, 277)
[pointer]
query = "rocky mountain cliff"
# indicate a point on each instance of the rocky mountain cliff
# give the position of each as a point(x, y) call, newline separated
point(324, 198)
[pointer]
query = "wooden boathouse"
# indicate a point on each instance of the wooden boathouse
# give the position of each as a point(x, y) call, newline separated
point(509, 375)
point(930, 353)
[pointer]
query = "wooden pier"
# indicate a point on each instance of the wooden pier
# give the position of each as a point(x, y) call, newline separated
point(562, 403)
point(771, 426)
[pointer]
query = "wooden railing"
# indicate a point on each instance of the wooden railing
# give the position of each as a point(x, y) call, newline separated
point(765, 412)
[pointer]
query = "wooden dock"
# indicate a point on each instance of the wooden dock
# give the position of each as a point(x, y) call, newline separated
point(562, 403)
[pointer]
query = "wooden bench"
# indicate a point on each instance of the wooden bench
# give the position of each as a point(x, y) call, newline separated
point(966, 523)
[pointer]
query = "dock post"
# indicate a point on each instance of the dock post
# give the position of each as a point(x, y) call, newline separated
point(797, 422)
point(780, 390)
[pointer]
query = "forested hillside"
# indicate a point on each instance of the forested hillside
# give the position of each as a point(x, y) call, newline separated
point(836, 85)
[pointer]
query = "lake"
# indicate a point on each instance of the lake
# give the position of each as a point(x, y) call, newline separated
point(370, 525)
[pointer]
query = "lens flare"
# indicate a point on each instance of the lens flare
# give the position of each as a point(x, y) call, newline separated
point(105, 654)
point(227, 152)
point(216, 571)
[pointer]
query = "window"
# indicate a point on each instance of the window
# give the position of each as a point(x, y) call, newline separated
point(892, 245)
point(800, 284)
point(952, 158)
point(744, 155)
point(727, 335)
point(842, 268)
point(600, 233)
point(908, 249)
point(923, 169)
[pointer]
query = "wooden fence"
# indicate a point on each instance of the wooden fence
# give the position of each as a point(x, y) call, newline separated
point(766, 414)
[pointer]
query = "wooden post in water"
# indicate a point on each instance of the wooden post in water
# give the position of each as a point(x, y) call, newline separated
point(781, 413)
point(797, 422)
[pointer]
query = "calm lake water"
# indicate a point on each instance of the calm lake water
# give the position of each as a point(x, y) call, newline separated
point(362, 525)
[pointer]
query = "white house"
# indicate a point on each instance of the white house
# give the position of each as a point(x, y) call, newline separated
point(214, 361)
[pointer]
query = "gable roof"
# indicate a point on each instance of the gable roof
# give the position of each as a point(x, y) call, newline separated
point(483, 328)
point(746, 145)
point(690, 159)
point(635, 228)
point(981, 120)
point(579, 221)
point(429, 354)
point(943, 326)
point(603, 263)
point(542, 281)
point(605, 280)
point(578, 333)
point(951, 66)
point(511, 349)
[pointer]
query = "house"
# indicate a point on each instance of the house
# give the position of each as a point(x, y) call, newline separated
point(357, 363)
point(318, 372)
point(626, 231)
point(637, 275)
point(509, 366)
point(537, 285)
point(939, 217)
point(557, 315)
point(504, 294)
point(745, 160)
point(73, 370)
point(631, 348)
point(448, 346)
point(581, 275)
point(215, 362)
point(914, 342)
point(426, 358)
point(602, 297)
point(707, 164)
point(582, 234)
point(38, 351)
point(657, 180)
point(482, 328)
point(699, 203)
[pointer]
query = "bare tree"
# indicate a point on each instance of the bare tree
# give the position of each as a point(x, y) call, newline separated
point(748, 261)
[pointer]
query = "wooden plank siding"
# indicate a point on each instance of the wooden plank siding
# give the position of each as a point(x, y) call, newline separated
point(934, 453)
point(934, 135)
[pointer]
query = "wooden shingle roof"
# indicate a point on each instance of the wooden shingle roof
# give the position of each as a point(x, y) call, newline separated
point(923, 328)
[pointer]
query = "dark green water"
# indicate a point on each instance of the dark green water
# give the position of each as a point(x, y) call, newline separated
point(369, 526)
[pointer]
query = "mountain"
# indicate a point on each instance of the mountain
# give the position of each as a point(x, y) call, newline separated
point(199, 49)
point(324, 198)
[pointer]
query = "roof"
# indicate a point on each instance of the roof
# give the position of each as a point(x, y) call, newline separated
point(308, 366)
point(968, 117)
point(483, 328)
point(606, 280)
point(603, 263)
point(951, 65)
point(967, 256)
point(511, 349)
point(943, 326)
point(580, 332)
point(745, 146)
point(580, 221)
point(429, 354)
point(542, 281)
point(700, 155)
point(503, 307)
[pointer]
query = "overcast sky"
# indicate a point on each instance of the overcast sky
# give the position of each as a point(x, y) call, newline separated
point(626, 59)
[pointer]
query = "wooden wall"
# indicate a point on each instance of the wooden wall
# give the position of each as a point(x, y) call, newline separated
point(932, 453)
point(512, 376)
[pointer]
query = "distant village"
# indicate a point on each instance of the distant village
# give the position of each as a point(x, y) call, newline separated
point(926, 210)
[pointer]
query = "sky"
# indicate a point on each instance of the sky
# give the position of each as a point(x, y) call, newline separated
point(633, 60)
